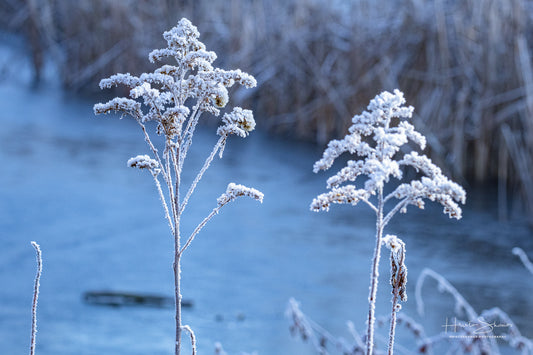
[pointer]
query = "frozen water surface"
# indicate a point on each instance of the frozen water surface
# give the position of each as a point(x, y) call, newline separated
point(64, 183)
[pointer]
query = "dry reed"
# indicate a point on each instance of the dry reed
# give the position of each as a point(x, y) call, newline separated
point(465, 65)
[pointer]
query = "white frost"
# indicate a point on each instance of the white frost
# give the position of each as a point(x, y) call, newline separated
point(235, 190)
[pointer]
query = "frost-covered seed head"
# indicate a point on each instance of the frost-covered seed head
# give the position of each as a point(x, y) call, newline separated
point(398, 268)
point(235, 190)
point(239, 122)
point(143, 162)
point(376, 137)
point(165, 91)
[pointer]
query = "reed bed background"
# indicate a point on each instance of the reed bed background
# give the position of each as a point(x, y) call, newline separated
point(466, 65)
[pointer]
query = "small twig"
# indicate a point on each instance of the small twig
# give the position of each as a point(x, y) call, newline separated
point(201, 173)
point(163, 202)
point(398, 281)
point(444, 285)
point(403, 203)
point(199, 228)
point(193, 338)
point(523, 258)
point(35, 297)
point(189, 132)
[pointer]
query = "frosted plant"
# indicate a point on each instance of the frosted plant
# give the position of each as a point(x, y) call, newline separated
point(472, 333)
point(376, 138)
point(478, 324)
point(35, 296)
point(398, 280)
point(172, 99)
point(320, 338)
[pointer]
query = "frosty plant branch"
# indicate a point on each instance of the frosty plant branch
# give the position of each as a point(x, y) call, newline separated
point(375, 138)
point(35, 296)
point(398, 280)
point(172, 99)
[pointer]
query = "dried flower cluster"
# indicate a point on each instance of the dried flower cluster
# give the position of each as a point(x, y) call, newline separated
point(175, 97)
point(379, 164)
point(377, 137)
point(398, 269)
point(398, 280)
point(192, 78)
point(234, 190)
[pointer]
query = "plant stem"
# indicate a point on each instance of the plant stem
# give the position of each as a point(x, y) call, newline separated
point(177, 276)
point(393, 322)
point(35, 297)
point(374, 276)
point(177, 255)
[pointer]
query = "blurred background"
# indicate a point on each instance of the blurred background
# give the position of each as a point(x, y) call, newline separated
point(465, 66)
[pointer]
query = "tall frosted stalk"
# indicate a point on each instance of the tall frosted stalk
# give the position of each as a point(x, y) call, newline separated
point(35, 296)
point(172, 99)
point(375, 138)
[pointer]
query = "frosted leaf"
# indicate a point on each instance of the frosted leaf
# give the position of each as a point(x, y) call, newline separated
point(143, 162)
point(235, 190)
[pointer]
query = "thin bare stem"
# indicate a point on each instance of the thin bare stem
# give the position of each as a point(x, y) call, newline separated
point(174, 157)
point(189, 131)
point(177, 294)
point(163, 202)
point(193, 338)
point(177, 258)
point(371, 205)
point(174, 188)
point(374, 276)
point(165, 172)
point(202, 171)
point(444, 285)
point(392, 212)
point(393, 321)
point(355, 334)
point(199, 228)
point(35, 297)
